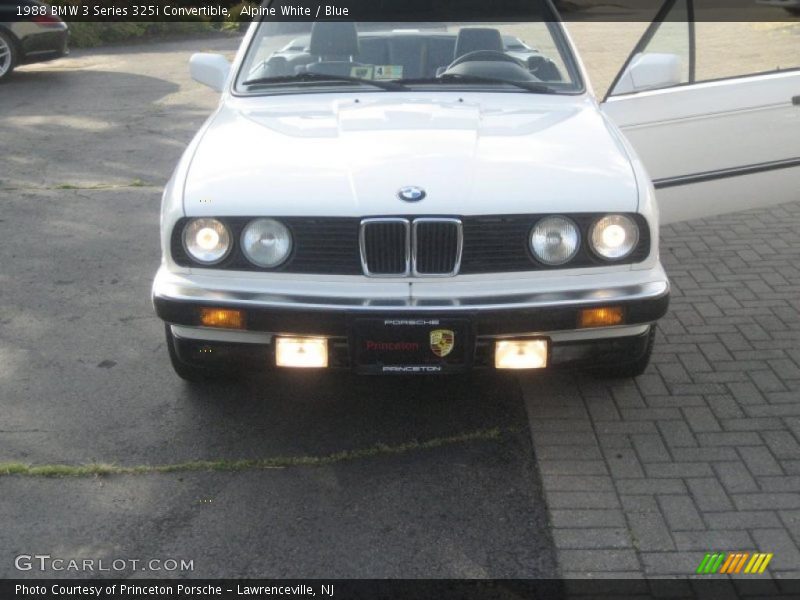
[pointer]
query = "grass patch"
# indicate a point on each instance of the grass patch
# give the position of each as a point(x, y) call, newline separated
point(136, 183)
point(279, 462)
point(101, 186)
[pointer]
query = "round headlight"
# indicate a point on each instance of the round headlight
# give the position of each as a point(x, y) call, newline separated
point(207, 241)
point(555, 240)
point(614, 236)
point(266, 242)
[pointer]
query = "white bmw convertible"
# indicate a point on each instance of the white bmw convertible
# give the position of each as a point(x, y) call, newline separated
point(444, 192)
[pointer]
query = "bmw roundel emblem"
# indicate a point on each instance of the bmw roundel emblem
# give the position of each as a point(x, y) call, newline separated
point(411, 193)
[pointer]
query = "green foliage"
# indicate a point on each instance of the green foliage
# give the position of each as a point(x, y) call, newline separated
point(88, 34)
point(236, 11)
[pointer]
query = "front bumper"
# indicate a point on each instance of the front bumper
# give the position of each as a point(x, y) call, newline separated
point(547, 312)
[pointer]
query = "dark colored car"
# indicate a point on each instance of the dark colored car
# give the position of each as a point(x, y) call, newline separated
point(29, 33)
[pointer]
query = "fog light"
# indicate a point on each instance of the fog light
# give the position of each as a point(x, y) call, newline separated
point(601, 317)
point(222, 317)
point(520, 354)
point(302, 352)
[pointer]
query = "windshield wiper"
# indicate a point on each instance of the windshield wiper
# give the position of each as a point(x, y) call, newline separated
point(530, 86)
point(323, 78)
point(398, 84)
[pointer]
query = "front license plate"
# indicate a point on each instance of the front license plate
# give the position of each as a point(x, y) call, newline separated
point(425, 345)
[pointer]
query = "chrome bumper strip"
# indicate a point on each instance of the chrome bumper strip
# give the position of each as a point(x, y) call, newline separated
point(208, 334)
point(176, 292)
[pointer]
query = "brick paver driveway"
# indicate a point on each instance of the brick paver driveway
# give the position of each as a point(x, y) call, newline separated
point(645, 476)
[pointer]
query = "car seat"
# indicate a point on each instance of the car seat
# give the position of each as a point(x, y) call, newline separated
point(334, 45)
point(473, 39)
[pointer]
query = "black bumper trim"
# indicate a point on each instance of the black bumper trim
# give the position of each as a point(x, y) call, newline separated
point(256, 358)
point(336, 323)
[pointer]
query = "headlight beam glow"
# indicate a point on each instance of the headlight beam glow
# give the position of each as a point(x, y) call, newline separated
point(614, 237)
point(207, 241)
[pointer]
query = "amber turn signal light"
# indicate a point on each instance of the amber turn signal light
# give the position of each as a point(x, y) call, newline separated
point(601, 317)
point(222, 317)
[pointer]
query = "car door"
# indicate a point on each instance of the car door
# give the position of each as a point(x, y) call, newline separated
point(713, 110)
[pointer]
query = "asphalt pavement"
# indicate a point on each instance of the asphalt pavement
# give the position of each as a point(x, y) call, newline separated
point(375, 477)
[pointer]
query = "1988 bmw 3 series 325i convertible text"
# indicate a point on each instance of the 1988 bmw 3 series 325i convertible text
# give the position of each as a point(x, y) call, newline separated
point(427, 190)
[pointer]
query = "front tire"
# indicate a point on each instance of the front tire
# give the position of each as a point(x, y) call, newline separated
point(192, 373)
point(632, 368)
point(8, 55)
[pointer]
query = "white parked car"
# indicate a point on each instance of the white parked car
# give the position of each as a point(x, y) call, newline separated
point(399, 198)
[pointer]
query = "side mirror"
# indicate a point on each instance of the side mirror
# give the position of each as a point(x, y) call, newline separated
point(650, 71)
point(210, 69)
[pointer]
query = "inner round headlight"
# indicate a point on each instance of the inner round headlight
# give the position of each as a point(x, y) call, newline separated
point(555, 240)
point(614, 236)
point(207, 241)
point(266, 242)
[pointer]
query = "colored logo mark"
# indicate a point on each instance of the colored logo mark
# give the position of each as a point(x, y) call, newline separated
point(734, 562)
point(442, 342)
point(411, 193)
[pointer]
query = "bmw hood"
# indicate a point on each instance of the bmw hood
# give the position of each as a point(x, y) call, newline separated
point(469, 154)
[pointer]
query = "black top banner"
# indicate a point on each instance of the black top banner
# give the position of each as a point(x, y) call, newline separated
point(395, 10)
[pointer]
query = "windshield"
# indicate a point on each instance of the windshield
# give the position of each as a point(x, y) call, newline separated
point(519, 55)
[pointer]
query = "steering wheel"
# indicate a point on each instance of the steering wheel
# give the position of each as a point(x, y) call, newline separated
point(485, 56)
point(543, 68)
